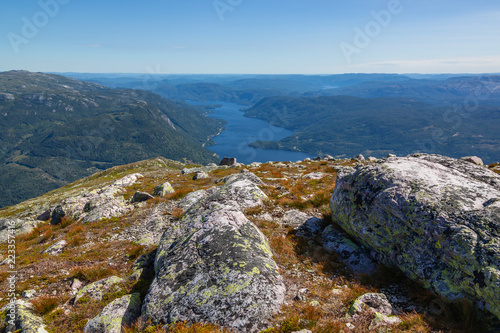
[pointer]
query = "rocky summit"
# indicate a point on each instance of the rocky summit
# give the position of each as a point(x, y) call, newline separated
point(401, 244)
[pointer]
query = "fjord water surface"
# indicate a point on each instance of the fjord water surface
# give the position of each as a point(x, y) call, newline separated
point(241, 131)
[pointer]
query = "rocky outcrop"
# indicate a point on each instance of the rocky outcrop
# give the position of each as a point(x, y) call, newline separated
point(214, 265)
point(19, 317)
point(122, 311)
point(163, 190)
point(436, 218)
point(14, 227)
point(99, 204)
point(97, 289)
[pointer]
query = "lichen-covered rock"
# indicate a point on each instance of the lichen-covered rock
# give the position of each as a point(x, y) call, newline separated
point(122, 311)
point(13, 227)
point(191, 198)
point(376, 303)
point(141, 196)
point(431, 216)
point(55, 248)
point(99, 204)
point(19, 317)
point(215, 266)
point(163, 189)
point(314, 175)
point(473, 159)
point(242, 189)
point(200, 175)
point(97, 289)
point(349, 253)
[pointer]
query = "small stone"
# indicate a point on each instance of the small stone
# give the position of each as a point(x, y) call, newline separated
point(473, 159)
point(307, 159)
point(45, 215)
point(359, 157)
point(314, 304)
point(200, 175)
point(141, 196)
point(28, 293)
point(57, 215)
point(55, 248)
point(163, 190)
point(228, 161)
point(350, 326)
point(391, 155)
point(301, 295)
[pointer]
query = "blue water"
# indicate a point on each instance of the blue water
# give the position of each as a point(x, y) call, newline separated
point(240, 131)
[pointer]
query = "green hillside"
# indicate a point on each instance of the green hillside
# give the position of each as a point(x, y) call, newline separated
point(347, 126)
point(54, 130)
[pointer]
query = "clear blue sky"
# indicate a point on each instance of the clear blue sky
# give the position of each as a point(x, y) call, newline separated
point(250, 36)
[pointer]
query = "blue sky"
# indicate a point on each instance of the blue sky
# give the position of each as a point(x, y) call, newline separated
point(251, 36)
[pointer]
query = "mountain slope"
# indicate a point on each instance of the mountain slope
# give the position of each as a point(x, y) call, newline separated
point(345, 125)
point(55, 129)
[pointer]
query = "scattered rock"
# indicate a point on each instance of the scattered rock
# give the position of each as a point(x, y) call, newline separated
point(240, 189)
point(314, 175)
point(302, 295)
point(21, 315)
point(55, 248)
point(45, 216)
point(372, 159)
point(228, 161)
point(76, 285)
point(329, 158)
point(307, 159)
point(294, 218)
point(359, 157)
point(391, 155)
point(122, 311)
point(349, 253)
point(97, 289)
point(163, 190)
point(200, 175)
point(426, 215)
point(473, 159)
point(28, 293)
point(141, 197)
point(14, 227)
point(311, 227)
point(302, 331)
point(57, 215)
point(376, 303)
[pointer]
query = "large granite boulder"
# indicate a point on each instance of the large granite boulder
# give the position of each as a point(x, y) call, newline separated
point(436, 218)
point(19, 317)
point(121, 312)
point(215, 266)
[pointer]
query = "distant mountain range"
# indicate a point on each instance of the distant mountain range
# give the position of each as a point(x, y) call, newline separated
point(54, 130)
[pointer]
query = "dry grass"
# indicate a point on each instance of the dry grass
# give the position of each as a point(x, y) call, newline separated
point(45, 304)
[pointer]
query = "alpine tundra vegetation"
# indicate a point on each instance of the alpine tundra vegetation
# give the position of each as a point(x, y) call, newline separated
point(400, 244)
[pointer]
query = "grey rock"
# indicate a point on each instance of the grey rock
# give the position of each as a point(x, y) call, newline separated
point(28, 293)
point(13, 227)
point(329, 158)
point(200, 175)
point(19, 317)
point(294, 218)
point(391, 155)
point(303, 331)
point(241, 189)
point(372, 159)
point(375, 302)
point(427, 216)
point(314, 175)
point(228, 161)
point(359, 157)
point(302, 295)
point(307, 159)
point(192, 198)
point(311, 227)
point(57, 214)
point(141, 197)
point(349, 253)
point(45, 216)
point(97, 289)
point(215, 266)
point(473, 159)
point(55, 248)
point(163, 190)
point(120, 312)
